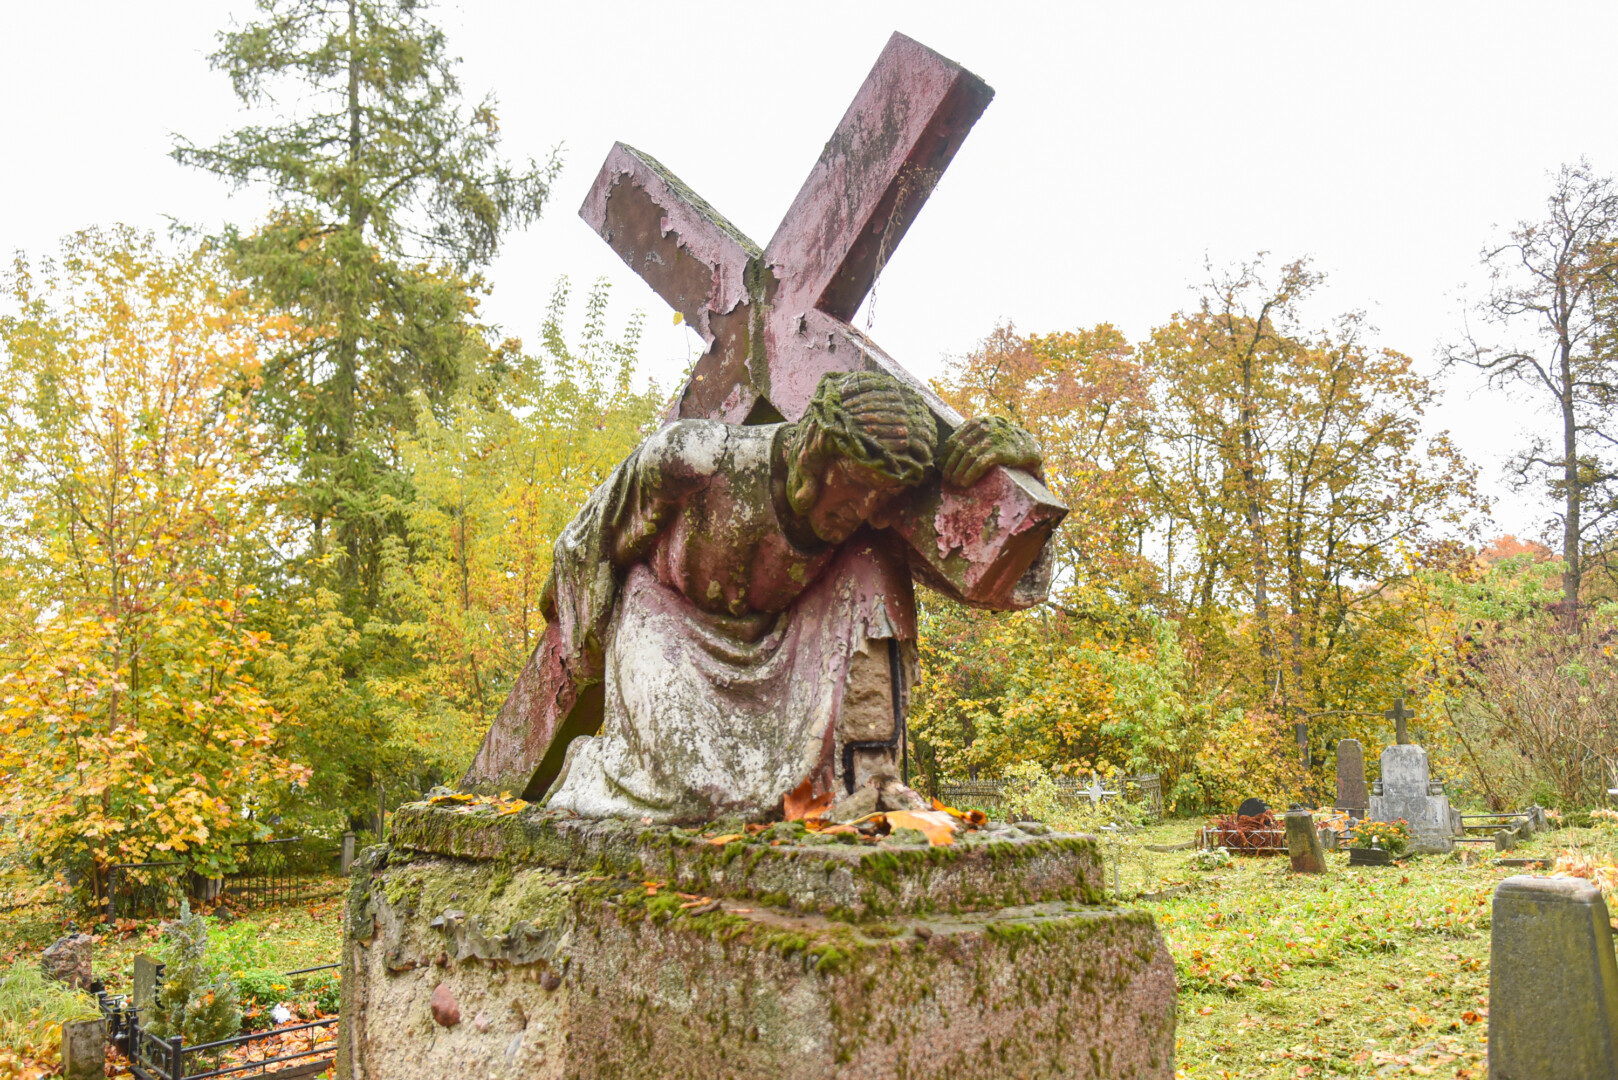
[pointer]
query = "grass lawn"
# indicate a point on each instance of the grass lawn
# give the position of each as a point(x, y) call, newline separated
point(1369, 971)
point(1360, 972)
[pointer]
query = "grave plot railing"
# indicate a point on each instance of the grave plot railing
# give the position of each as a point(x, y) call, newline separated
point(146, 889)
point(286, 1053)
point(267, 872)
point(1146, 791)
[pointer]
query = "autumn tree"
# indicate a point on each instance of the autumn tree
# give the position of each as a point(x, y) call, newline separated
point(390, 190)
point(1550, 328)
point(1295, 492)
point(495, 471)
point(133, 491)
point(496, 477)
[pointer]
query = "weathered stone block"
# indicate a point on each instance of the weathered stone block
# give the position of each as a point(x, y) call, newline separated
point(997, 867)
point(67, 960)
point(1303, 843)
point(587, 975)
point(148, 971)
point(84, 1048)
point(1553, 982)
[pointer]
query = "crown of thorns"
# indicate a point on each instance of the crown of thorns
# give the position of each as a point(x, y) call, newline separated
point(874, 420)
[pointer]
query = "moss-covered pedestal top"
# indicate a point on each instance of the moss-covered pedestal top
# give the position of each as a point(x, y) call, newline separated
point(784, 865)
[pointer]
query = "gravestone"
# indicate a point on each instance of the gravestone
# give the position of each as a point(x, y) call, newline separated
point(84, 1048)
point(68, 961)
point(1352, 794)
point(148, 975)
point(1252, 807)
point(1303, 843)
point(1406, 791)
point(1553, 982)
point(1505, 840)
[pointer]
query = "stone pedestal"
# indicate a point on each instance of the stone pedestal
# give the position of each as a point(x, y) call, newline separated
point(1406, 791)
point(536, 945)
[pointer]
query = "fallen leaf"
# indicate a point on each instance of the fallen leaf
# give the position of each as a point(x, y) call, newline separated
point(695, 901)
point(937, 825)
point(1470, 1017)
point(801, 805)
point(721, 841)
point(971, 817)
point(652, 887)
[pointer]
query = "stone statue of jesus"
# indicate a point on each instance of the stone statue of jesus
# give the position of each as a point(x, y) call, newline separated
point(754, 624)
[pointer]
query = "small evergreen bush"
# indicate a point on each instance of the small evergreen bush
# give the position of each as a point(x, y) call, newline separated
point(197, 1000)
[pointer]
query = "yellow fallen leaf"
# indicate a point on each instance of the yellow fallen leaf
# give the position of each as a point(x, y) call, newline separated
point(937, 825)
point(721, 841)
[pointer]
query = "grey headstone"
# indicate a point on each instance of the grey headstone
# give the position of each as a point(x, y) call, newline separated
point(1404, 770)
point(347, 858)
point(1553, 982)
point(147, 971)
point(1303, 843)
point(84, 1048)
point(1352, 794)
point(1405, 793)
point(1504, 840)
point(1328, 839)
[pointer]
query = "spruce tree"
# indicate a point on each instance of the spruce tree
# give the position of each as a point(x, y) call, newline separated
point(390, 194)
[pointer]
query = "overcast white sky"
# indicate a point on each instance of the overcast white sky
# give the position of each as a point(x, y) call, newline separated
point(1126, 143)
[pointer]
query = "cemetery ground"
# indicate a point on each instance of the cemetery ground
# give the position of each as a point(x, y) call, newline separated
point(1364, 971)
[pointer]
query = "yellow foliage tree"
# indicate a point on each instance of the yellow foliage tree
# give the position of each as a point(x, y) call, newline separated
point(133, 493)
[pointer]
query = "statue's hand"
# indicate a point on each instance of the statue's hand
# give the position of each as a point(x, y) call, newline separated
point(982, 443)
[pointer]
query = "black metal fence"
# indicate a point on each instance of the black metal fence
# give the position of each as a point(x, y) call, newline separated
point(1147, 791)
point(267, 872)
point(286, 1053)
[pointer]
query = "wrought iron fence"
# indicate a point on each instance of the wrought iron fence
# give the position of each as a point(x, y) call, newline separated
point(1147, 791)
point(285, 1053)
point(267, 872)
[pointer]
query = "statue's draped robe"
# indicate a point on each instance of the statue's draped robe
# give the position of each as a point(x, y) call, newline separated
point(725, 647)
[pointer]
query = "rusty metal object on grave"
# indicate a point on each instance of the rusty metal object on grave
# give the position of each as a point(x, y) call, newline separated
point(774, 320)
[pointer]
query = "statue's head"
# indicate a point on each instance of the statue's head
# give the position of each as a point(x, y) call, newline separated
point(863, 439)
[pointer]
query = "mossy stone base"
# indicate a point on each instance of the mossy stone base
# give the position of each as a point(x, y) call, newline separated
point(565, 974)
point(991, 868)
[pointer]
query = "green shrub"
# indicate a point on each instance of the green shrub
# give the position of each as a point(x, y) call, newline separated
point(197, 1000)
point(262, 989)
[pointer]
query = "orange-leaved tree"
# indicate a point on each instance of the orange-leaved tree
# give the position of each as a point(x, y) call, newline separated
point(137, 521)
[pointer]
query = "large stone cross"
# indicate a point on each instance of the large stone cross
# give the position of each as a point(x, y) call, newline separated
point(775, 320)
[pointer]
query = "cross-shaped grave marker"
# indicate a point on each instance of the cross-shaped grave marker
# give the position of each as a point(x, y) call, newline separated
point(775, 319)
point(1399, 715)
